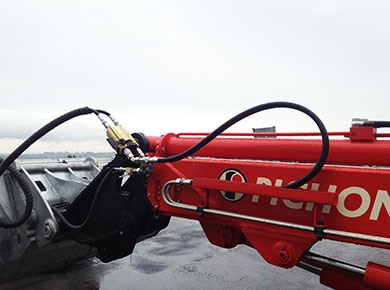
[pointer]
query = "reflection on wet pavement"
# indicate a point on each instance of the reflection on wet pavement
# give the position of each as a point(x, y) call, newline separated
point(180, 257)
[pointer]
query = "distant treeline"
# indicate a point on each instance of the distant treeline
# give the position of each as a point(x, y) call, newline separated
point(63, 155)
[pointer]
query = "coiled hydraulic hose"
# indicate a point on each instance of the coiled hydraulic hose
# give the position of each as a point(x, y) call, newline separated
point(27, 193)
point(313, 172)
point(7, 163)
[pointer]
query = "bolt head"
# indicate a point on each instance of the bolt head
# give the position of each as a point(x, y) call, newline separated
point(50, 229)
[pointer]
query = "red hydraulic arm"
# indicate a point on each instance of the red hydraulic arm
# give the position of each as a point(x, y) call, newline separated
point(233, 186)
point(279, 195)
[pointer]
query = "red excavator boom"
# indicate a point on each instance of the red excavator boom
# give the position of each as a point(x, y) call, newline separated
point(233, 187)
point(277, 192)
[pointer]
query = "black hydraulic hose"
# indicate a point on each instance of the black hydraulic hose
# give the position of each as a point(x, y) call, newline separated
point(20, 178)
point(40, 133)
point(103, 112)
point(67, 223)
point(377, 124)
point(313, 172)
point(7, 163)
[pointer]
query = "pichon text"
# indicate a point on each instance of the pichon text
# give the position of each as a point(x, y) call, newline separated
point(382, 200)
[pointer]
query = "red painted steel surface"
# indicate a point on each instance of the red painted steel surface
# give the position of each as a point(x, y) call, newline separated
point(341, 281)
point(347, 196)
point(377, 276)
point(360, 209)
point(300, 150)
point(255, 189)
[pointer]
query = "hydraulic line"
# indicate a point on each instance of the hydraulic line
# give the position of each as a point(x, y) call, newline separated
point(322, 261)
point(7, 163)
point(103, 112)
point(182, 181)
point(41, 132)
point(377, 124)
point(28, 195)
point(92, 207)
point(85, 110)
point(313, 172)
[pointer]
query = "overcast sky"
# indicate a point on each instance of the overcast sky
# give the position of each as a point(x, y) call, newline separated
point(173, 66)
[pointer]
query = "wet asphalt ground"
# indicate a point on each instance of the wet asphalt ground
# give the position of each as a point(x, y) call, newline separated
point(180, 257)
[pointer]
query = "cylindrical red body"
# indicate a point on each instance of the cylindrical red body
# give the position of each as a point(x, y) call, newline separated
point(377, 276)
point(300, 150)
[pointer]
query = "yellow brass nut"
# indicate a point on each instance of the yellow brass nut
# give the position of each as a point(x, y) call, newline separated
point(118, 132)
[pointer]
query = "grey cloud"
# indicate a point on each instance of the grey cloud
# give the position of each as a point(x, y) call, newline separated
point(226, 55)
point(21, 126)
